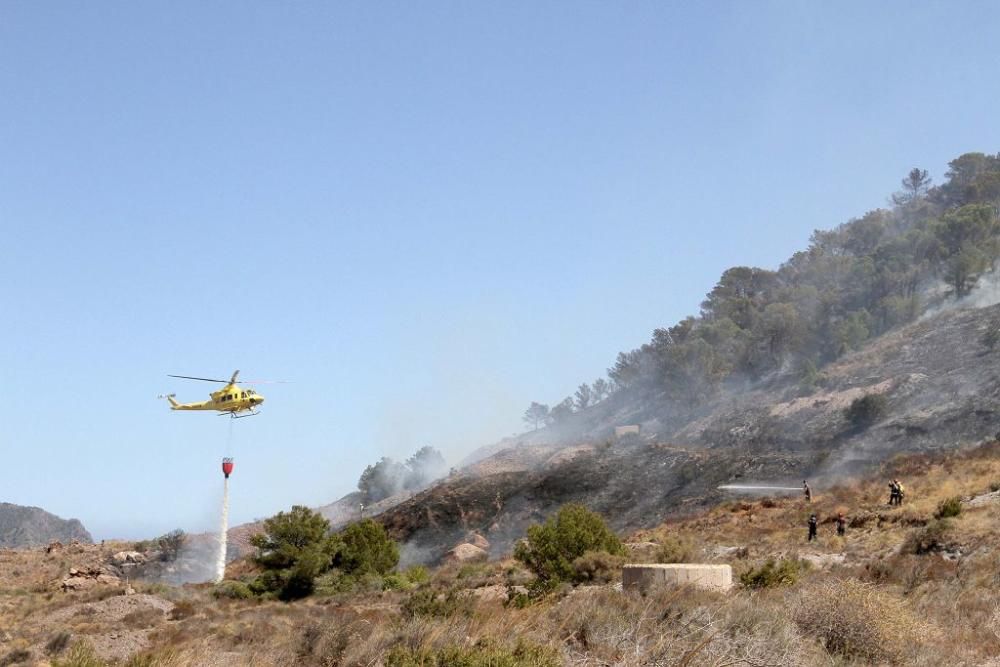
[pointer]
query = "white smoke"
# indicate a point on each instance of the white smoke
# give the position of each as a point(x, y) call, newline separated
point(220, 561)
point(986, 293)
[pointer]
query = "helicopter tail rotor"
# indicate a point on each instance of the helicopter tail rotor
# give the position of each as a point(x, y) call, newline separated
point(170, 397)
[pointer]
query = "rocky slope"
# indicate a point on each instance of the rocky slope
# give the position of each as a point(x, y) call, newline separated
point(942, 391)
point(31, 526)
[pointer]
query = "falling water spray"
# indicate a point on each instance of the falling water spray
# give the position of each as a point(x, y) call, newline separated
point(747, 487)
point(220, 561)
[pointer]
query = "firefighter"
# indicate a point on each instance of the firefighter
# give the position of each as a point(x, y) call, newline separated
point(899, 492)
point(841, 524)
point(892, 492)
point(812, 527)
point(807, 491)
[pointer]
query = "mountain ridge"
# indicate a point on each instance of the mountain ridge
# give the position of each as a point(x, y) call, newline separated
point(25, 526)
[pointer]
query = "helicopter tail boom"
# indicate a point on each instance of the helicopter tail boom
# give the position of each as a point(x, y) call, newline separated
point(173, 403)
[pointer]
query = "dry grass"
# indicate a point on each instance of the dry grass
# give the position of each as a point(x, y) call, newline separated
point(868, 599)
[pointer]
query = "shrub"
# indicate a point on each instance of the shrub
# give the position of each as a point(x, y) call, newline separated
point(418, 574)
point(186, 609)
point(143, 618)
point(294, 549)
point(484, 653)
point(365, 548)
point(674, 550)
point(80, 655)
point(866, 410)
point(428, 602)
point(949, 508)
point(771, 573)
point(930, 538)
point(58, 643)
point(597, 567)
point(550, 549)
point(16, 657)
point(859, 621)
point(396, 581)
point(228, 590)
point(170, 545)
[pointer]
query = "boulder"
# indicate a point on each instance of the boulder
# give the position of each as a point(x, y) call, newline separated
point(123, 557)
point(478, 540)
point(466, 553)
point(79, 580)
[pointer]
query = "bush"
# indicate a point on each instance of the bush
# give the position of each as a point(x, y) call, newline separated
point(58, 643)
point(80, 655)
point(229, 590)
point(674, 550)
point(16, 657)
point(597, 567)
point(365, 548)
point(866, 410)
point(930, 538)
point(949, 508)
point(418, 574)
point(859, 621)
point(396, 581)
point(428, 602)
point(484, 654)
point(294, 549)
point(143, 618)
point(550, 549)
point(771, 573)
point(170, 545)
point(186, 609)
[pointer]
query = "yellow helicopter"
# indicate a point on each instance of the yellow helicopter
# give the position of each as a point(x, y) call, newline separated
point(231, 399)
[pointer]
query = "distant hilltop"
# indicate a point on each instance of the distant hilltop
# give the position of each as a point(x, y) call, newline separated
point(32, 526)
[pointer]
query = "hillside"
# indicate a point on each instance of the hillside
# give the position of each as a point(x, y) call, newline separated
point(31, 526)
point(941, 388)
point(901, 587)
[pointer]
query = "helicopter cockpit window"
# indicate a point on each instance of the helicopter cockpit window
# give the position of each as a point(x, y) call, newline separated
point(243, 394)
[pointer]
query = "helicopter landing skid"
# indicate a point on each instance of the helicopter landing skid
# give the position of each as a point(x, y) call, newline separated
point(233, 415)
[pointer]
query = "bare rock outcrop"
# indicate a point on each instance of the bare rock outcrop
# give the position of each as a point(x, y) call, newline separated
point(87, 578)
point(466, 553)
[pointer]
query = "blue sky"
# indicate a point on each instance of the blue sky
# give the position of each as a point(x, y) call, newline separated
point(426, 214)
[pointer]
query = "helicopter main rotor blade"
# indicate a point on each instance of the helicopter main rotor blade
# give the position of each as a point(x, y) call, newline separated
point(264, 382)
point(188, 377)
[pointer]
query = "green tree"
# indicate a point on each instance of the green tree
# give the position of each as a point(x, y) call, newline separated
point(970, 238)
point(866, 410)
point(852, 331)
point(915, 186)
point(550, 548)
point(365, 548)
point(601, 389)
point(382, 480)
point(626, 370)
point(426, 465)
point(293, 550)
point(536, 414)
point(562, 411)
point(584, 396)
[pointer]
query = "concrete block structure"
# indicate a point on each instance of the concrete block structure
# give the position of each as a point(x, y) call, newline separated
point(644, 577)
